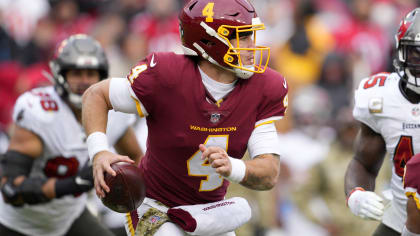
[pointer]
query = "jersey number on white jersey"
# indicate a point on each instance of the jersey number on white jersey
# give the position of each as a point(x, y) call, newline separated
point(403, 152)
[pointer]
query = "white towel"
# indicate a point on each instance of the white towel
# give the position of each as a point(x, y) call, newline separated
point(212, 218)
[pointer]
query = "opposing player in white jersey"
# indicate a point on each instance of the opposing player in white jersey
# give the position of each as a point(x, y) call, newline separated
point(387, 106)
point(46, 168)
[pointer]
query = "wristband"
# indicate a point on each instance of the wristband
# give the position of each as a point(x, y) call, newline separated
point(238, 170)
point(96, 142)
point(352, 191)
point(65, 186)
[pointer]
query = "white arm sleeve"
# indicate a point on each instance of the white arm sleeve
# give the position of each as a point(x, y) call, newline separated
point(122, 97)
point(263, 140)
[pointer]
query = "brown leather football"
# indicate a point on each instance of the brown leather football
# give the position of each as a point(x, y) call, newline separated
point(127, 189)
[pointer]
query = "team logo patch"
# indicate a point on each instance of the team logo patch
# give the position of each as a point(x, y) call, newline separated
point(214, 117)
point(415, 111)
point(375, 105)
point(154, 219)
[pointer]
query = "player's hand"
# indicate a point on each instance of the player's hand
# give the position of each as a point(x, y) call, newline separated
point(31, 191)
point(11, 194)
point(366, 204)
point(101, 164)
point(218, 159)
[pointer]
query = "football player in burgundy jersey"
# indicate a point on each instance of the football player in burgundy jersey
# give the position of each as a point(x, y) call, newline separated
point(412, 191)
point(387, 106)
point(204, 109)
point(46, 170)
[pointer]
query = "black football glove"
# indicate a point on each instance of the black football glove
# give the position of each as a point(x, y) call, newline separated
point(75, 185)
point(11, 194)
point(31, 191)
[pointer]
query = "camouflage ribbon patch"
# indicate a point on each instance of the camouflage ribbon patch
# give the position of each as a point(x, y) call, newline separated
point(150, 222)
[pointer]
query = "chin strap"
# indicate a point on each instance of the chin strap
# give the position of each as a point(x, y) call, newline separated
point(413, 88)
point(413, 83)
point(75, 100)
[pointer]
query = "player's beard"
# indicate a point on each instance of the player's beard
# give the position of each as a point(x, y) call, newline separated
point(81, 88)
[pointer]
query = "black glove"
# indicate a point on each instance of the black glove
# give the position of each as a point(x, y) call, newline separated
point(31, 191)
point(75, 185)
point(11, 194)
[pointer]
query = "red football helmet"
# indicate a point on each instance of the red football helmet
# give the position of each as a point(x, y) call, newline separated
point(208, 26)
point(408, 48)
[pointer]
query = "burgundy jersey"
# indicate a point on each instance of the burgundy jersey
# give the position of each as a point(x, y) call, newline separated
point(412, 178)
point(182, 115)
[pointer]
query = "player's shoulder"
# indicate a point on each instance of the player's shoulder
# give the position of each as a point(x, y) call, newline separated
point(271, 81)
point(162, 65)
point(414, 164)
point(376, 88)
point(378, 83)
point(39, 104)
point(412, 172)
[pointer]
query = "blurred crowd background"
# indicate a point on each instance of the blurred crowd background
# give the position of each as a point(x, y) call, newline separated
point(322, 47)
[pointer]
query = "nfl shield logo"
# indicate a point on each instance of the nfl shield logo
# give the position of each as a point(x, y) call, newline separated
point(154, 219)
point(415, 111)
point(214, 117)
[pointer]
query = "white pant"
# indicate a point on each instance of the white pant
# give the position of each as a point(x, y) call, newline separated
point(169, 229)
point(166, 229)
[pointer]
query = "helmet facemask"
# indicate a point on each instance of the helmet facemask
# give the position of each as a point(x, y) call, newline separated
point(407, 62)
point(237, 55)
point(409, 57)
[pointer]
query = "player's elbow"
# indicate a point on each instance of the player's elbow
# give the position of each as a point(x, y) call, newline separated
point(89, 93)
point(97, 94)
point(271, 177)
point(272, 172)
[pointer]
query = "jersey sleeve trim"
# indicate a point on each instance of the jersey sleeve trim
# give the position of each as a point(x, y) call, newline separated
point(139, 107)
point(268, 121)
point(120, 96)
point(129, 224)
point(411, 192)
point(263, 140)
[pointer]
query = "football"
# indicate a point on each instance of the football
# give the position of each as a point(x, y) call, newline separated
point(127, 189)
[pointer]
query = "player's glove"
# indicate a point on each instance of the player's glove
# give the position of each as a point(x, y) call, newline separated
point(75, 185)
point(365, 204)
point(11, 194)
point(31, 191)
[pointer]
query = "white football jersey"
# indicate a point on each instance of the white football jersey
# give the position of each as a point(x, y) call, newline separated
point(380, 104)
point(43, 112)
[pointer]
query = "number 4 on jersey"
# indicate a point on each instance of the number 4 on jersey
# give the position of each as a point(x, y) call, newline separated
point(201, 168)
point(403, 152)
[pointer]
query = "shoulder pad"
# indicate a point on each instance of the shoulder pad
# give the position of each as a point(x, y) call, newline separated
point(37, 105)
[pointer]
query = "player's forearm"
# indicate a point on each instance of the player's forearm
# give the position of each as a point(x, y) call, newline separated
point(358, 176)
point(127, 145)
point(262, 172)
point(413, 216)
point(95, 107)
